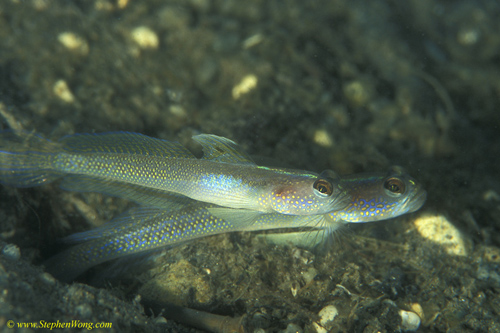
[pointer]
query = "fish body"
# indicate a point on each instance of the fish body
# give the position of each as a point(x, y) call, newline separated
point(148, 229)
point(225, 176)
point(144, 229)
point(225, 184)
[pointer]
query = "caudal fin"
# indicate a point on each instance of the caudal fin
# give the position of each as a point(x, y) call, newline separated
point(25, 159)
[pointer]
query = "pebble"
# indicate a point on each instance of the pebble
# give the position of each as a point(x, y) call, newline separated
point(468, 37)
point(294, 289)
point(322, 138)
point(358, 93)
point(121, 4)
point(491, 195)
point(247, 84)
point(410, 321)
point(11, 252)
point(73, 42)
point(47, 278)
point(62, 91)
point(439, 230)
point(177, 110)
point(326, 317)
point(417, 308)
point(160, 320)
point(145, 38)
point(252, 41)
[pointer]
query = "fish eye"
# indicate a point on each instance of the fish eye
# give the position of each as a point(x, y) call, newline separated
point(394, 185)
point(323, 186)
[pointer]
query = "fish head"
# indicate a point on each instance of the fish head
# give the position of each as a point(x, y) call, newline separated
point(379, 196)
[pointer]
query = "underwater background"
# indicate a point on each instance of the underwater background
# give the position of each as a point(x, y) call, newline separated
point(353, 86)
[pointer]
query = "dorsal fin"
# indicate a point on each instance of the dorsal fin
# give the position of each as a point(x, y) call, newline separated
point(125, 143)
point(221, 149)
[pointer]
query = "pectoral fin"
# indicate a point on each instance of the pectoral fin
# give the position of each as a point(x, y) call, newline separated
point(241, 219)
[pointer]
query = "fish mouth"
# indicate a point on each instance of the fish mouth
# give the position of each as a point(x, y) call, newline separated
point(417, 201)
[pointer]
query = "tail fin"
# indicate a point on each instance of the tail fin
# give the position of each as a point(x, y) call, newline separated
point(25, 159)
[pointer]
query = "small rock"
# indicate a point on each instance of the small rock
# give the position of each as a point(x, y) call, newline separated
point(62, 91)
point(11, 252)
point(438, 229)
point(74, 43)
point(247, 84)
point(145, 38)
point(358, 93)
point(327, 315)
point(410, 321)
point(322, 138)
point(47, 278)
point(417, 308)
